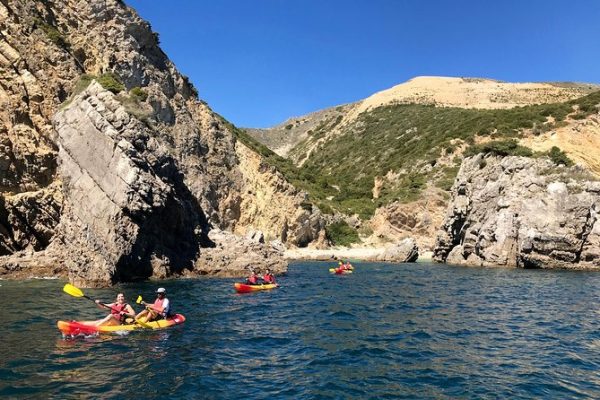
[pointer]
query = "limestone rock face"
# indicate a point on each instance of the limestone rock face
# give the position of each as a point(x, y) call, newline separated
point(141, 182)
point(234, 256)
point(274, 206)
point(123, 194)
point(521, 212)
point(404, 251)
point(419, 219)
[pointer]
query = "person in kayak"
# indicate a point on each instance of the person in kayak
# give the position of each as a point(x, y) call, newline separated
point(268, 277)
point(160, 309)
point(343, 266)
point(253, 278)
point(119, 311)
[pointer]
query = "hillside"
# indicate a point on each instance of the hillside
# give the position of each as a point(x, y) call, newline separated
point(296, 137)
point(285, 136)
point(393, 163)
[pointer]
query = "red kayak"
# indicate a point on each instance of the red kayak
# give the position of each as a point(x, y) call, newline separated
point(73, 328)
point(244, 288)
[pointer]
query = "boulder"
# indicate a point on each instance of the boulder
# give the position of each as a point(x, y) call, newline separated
point(404, 251)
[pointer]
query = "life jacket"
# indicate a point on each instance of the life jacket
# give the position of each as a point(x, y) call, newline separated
point(116, 311)
point(268, 278)
point(158, 305)
point(252, 279)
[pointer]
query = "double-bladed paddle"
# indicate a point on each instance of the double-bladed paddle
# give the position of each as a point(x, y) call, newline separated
point(76, 292)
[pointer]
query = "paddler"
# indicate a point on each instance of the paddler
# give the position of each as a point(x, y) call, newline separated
point(119, 311)
point(160, 309)
point(268, 277)
point(252, 279)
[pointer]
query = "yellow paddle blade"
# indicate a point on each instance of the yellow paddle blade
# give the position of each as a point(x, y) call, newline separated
point(139, 300)
point(72, 290)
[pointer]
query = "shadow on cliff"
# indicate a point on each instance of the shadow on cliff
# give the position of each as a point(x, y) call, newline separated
point(169, 241)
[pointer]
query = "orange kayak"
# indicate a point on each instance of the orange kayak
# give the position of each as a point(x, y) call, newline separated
point(74, 328)
point(244, 288)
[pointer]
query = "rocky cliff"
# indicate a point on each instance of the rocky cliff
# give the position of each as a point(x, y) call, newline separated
point(521, 212)
point(130, 176)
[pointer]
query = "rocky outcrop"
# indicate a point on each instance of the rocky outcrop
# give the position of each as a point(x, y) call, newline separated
point(141, 180)
point(418, 219)
point(234, 255)
point(127, 211)
point(405, 251)
point(521, 212)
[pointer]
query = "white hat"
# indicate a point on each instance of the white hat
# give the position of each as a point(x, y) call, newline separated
point(161, 290)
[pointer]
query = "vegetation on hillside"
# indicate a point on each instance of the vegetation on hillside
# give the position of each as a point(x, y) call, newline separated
point(52, 33)
point(341, 234)
point(410, 140)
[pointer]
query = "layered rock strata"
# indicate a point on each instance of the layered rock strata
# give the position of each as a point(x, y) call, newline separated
point(142, 180)
point(521, 212)
point(127, 211)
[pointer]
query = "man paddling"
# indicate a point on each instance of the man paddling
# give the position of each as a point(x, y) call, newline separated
point(160, 309)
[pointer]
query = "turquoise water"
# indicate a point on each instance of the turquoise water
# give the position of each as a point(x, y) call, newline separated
point(387, 331)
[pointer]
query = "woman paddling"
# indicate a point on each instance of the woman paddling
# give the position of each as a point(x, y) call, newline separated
point(119, 310)
point(253, 279)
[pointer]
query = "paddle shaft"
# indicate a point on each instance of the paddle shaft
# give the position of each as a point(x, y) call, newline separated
point(76, 292)
point(109, 307)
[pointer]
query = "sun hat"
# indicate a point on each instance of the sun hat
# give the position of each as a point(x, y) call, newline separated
point(161, 290)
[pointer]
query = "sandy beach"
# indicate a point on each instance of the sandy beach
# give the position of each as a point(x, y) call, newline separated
point(346, 253)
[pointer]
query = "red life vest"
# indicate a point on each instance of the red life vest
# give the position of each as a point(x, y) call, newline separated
point(158, 305)
point(252, 280)
point(269, 278)
point(117, 309)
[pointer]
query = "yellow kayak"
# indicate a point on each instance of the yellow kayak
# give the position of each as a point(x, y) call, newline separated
point(89, 327)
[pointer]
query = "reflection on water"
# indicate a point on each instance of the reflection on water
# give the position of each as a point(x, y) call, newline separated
point(414, 331)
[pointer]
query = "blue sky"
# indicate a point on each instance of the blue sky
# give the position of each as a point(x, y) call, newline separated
point(259, 62)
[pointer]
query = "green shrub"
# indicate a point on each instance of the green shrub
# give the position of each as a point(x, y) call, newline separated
point(500, 148)
point(447, 179)
point(449, 149)
point(139, 93)
point(325, 208)
point(82, 83)
point(559, 157)
point(111, 82)
point(341, 234)
point(190, 85)
point(289, 126)
point(306, 205)
point(52, 33)
point(134, 107)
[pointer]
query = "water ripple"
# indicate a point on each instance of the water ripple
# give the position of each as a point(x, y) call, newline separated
point(386, 331)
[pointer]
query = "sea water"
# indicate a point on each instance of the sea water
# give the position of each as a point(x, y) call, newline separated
point(385, 331)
